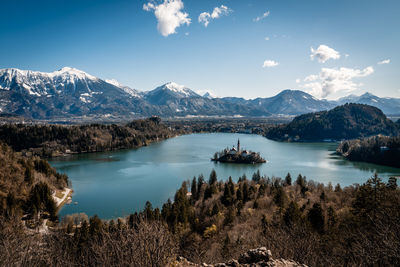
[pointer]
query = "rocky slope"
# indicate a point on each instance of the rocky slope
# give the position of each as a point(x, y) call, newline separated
point(254, 258)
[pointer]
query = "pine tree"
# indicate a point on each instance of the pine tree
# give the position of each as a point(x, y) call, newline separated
point(227, 197)
point(246, 192)
point(280, 197)
point(292, 214)
point(193, 190)
point(316, 218)
point(288, 179)
point(213, 177)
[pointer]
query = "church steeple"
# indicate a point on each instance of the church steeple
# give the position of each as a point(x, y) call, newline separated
point(238, 145)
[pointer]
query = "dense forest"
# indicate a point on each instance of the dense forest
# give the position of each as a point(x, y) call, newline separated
point(55, 140)
point(377, 149)
point(343, 122)
point(214, 221)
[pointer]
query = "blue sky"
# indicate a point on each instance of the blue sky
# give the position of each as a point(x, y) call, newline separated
point(144, 44)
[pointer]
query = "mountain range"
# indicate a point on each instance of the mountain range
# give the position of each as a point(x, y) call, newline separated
point(69, 92)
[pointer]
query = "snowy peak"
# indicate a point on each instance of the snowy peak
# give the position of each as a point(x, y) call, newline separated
point(178, 89)
point(71, 72)
point(44, 83)
point(126, 89)
point(174, 90)
point(169, 93)
point(209, 95)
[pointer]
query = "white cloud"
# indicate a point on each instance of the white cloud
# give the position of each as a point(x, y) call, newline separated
point(169, 15)
point(263, 16)
point(323, 53)
point(205, 17)
point(298, 80)
point(386, 61)
point(270, 63)
point(311, 78)
point(330, 81)
point(266, 38)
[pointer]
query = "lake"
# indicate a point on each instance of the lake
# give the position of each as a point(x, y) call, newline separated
point(113, 184)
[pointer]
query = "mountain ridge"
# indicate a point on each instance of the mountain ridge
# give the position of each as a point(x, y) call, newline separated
point(71, 92)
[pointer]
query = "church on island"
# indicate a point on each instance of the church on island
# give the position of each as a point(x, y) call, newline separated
point(236, 155)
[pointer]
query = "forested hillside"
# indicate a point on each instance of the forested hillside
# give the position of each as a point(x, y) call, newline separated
point(54, 140)
point(216, 221)
point(344, 122)
point(26, 185)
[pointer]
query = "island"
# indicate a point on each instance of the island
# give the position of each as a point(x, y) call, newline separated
point(236, 155)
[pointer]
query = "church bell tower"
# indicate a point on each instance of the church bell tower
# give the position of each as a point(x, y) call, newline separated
point(238, 146)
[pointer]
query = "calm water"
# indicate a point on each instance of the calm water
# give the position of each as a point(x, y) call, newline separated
point(118, 183)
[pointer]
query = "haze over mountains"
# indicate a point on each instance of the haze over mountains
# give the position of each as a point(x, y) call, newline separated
point(71, 92)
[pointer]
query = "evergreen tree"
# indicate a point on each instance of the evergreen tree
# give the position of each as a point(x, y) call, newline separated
point(246, 192)
point(96, 225)
point(239, 193)
point(338, 188)
point(231, 185)
point(256, 176)
point(227, 197)
point(148, 211)
point(322, 197)
point(229, 216)
point(288, 179)
point(292, 214)
point(200, 182)
point(316, 218)
point(213, 178)
point(280, 197)
point(193, 190)
point(300, 181)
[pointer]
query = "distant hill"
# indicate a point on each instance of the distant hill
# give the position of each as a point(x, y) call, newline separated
point(292, 102)
point(348, 121)
point(389, 106)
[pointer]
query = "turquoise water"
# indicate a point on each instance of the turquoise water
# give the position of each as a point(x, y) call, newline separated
point(114, 184)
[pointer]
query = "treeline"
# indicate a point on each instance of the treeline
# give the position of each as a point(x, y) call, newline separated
point(214, 221)
point(226, 125)
point(54, 140)
point(382, 150)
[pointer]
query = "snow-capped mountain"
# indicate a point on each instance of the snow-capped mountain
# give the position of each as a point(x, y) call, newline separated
point(209, 95)
point(389, 106)
point(128, 90)
point(169, 92)
point(65, 92)
point(72, 92)
point(173, 99)
point(42, 83)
